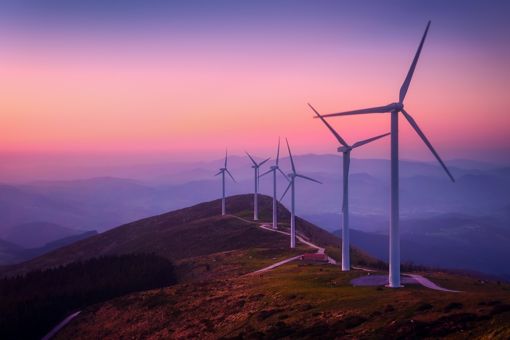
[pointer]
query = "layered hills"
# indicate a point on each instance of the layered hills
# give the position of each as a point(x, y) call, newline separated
point(219, 296)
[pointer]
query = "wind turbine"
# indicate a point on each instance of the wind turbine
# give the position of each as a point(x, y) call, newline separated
point(395, 109)
point(256, 167)
point(292, 179)
point(274, 169)
point(346, 149)
point(222, 173)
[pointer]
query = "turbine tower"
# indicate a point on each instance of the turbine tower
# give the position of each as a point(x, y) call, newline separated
point(394, 109)
point(256, 167)
point(292, 185)
point(346, 149)
point(222, 173)
point(274, 169)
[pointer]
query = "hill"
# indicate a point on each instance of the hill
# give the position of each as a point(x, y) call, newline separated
point(186, 235)
point(37, 234)
point(10, 253)
point(215, 299)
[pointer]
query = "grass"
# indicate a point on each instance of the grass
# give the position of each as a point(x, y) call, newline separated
point(305, 300)
point(299, 300)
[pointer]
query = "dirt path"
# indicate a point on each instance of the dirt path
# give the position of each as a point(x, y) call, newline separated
point(416, 278)
point(269, 227)
point(429, 284)
point(61, 325)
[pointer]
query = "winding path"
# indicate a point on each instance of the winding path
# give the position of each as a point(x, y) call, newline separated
point(429, 284)
point(269, 227)
point(417, 278)
point(61, 325)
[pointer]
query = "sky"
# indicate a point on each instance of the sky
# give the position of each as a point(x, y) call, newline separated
point(189, 78)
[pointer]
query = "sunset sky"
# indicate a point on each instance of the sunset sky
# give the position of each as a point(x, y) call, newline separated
point(192, 77)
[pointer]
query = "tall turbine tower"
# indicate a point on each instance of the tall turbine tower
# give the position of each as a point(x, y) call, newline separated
point(395, 109)
point(274, 169)
point(222, 173)
point(292, 180)
point(256, 167)
point(346, 149)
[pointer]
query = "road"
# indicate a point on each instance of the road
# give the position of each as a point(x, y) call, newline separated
point(269, 227)
point(61, 325)
point(417, 278)
point(429, 284)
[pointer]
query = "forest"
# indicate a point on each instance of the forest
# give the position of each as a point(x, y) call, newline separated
point(34, 303)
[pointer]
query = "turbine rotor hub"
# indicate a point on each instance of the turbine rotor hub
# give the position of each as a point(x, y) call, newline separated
point(397, 106)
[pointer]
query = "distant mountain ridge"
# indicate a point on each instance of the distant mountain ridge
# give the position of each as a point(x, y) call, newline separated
point(104, 202)
point(11, 253)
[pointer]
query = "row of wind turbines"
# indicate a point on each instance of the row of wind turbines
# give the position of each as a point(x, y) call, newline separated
point(394, 109)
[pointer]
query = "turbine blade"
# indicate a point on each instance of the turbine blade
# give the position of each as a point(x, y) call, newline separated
point(219, 173)
point(264, 161)
point(290, 155)
point(308, 178)
point(426, 141)
point(407, 81)
point(265, 173)
point(333, 131)
point(228, 172)
point(366, 141)
point(286, 190)
point(251, 158)
point(378, 109)
point(225, 158)
point(278, 152)
point(283, 174)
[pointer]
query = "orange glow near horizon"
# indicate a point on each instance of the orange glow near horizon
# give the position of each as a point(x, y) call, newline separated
point(208, 97)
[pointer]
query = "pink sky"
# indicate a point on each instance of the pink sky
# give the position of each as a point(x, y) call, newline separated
point(201, 93)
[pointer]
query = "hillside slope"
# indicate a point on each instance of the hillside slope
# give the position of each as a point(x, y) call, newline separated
point(184, 234)
point(302, 301)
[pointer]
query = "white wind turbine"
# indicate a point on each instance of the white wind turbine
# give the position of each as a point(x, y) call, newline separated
point(222, 173)
point(274, 169)
point(395, 109)
point(346, 149)
point(256, 167)
point(292, 178)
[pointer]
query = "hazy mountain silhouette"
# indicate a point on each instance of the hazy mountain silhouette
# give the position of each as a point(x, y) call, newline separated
point(11, 253)
point(446, 241)
point(36, 234)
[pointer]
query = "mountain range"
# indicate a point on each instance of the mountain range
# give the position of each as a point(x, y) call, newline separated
point(479, 196)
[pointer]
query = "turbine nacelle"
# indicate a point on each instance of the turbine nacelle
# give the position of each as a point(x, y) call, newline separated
point(344, 149)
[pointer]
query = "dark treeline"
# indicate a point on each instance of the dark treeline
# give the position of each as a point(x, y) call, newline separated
point(31, 305)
